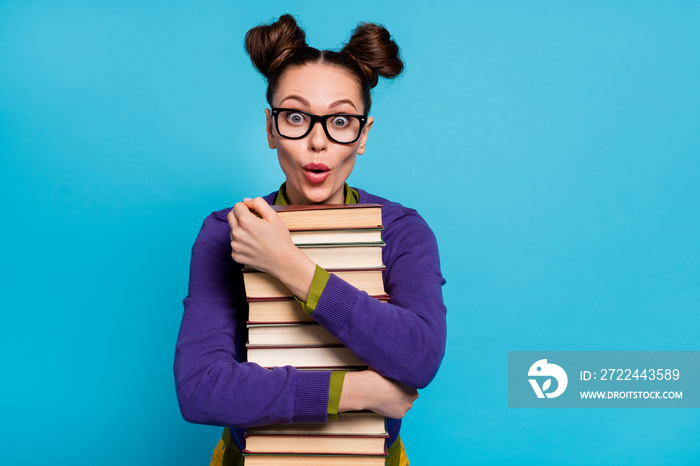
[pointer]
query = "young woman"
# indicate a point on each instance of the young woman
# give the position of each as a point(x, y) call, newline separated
point(318, 123)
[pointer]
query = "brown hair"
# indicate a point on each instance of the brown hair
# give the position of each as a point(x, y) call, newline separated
point(368, 54)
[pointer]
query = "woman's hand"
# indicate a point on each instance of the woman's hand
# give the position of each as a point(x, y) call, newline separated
point(369, 390)
point(263, 242)
point(259, 241)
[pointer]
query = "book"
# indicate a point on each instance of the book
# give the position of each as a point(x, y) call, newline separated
point(319, 357)
point(364, 423)
point(354, 236)
point(262, 285)
point(310, 334)
point(276, 311)
point(345, 256)
point(313, 460)
point(315, 444)
point(281, 310)
point(330, 216)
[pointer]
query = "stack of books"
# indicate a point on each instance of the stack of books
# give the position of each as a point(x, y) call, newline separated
point(346, 240)
point(356, 438)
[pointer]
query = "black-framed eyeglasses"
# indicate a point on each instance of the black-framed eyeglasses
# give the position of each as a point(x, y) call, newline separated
point(343, 128)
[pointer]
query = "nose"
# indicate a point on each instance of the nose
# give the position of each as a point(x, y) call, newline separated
point(318, 141)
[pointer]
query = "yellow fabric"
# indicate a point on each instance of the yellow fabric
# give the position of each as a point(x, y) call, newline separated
point(218, 454)
point(397, 454)
point(352, 196)
point(318, 284)
point(226, 453)
point(334, 391)
point(280, 199)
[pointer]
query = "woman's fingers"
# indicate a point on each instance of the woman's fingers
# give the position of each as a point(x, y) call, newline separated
point(248, 210)
point(249, 203)
point(232, 221)
point(258, 236)
point(239, 211)
point(369, 390)
point(262, 208)
point(242, 212)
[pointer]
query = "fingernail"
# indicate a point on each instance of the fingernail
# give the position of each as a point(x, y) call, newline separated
point(247, 199)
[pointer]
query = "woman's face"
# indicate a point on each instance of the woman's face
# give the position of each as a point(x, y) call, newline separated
point(316, 167)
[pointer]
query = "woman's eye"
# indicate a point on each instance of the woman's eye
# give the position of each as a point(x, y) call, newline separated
point(295, 118)
point(339, 121)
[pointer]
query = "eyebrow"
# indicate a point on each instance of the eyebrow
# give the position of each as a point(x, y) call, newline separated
point(340, 102)
point(303, 101)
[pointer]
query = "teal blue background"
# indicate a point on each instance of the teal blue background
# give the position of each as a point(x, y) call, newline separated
point(552, 146)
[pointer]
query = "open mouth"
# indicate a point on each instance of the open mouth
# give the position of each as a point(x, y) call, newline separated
point(316, 172)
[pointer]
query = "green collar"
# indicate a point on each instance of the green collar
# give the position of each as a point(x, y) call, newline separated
point(351, 195)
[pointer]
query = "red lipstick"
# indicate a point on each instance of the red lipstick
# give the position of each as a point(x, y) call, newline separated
point(316, 172)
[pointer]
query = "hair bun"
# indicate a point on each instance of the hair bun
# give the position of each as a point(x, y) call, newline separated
point(377, 55)
point(270, 45)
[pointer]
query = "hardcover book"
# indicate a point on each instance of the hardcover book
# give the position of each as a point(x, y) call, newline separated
point(309, 357)
point(364, 423)
point(310, 334)
point(315, 444)
point(330, 216)
point(354, 236)
point(345, 256)
point(262, 285)
point(313, 460)
point(281, 310)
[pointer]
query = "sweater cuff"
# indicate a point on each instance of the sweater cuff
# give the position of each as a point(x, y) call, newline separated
point(335, 304)
point(318, 284)
point(311, 404)
point(334, 391)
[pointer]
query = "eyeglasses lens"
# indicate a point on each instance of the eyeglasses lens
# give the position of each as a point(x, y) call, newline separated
point(341, 128)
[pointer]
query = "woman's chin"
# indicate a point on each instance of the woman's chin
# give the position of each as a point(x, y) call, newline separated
point(320, 195)
point(317, 198)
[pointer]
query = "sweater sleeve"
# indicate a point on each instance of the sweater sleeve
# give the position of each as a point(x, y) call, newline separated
point(214, 383)
point(403, 339)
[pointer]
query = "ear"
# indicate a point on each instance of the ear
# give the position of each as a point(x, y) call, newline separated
point(270, 132)
point(363, 137)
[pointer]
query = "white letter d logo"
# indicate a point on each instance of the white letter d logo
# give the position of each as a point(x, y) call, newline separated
point(541, 368)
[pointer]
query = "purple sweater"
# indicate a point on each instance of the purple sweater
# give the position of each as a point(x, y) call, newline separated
point(403, 339)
